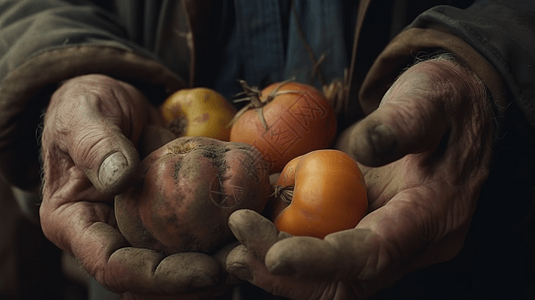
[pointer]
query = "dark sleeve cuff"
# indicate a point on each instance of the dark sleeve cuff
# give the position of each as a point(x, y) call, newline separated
point(402, 52)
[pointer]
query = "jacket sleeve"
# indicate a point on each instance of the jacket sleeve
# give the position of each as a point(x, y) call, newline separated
point(45, 42)
point(496, 39)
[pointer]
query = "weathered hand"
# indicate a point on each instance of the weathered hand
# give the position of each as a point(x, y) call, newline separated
point(425, 154)
point(90, 153)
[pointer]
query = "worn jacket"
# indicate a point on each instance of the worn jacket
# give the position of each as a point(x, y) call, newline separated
point(45, 42)
point(161, 46)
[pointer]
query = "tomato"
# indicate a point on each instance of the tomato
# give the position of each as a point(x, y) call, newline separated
point(198, 112)
point(283, 121)
point(327, 193)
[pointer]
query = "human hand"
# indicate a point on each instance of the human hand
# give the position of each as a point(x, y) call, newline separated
point(425, 154)
point(92, 128)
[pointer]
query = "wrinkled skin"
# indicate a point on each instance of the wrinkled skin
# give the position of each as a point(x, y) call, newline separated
point(92, 127)
point(425, 154)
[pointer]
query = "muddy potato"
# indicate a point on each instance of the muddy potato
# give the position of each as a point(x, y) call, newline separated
point(186, 191)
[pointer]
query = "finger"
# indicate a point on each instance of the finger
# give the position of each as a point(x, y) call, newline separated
point(241, 263)
point(317, 259)
point(257, 236)
point(376, 246)
point(411, 118)
point(106, 256)
point(244, 264)
point(402, 235)
point(221, 257)
point(96, 121)
point(254, 231)
point(107, 156)
point(148, 272)
point(283, 254)
point(293, 256)
point(86, 230)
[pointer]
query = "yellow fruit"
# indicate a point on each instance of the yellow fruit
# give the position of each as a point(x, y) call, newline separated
point(198, 112)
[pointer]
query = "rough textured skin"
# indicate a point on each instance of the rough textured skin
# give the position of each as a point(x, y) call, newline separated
point(186, 191)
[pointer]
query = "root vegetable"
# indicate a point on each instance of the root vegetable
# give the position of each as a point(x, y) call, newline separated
point(186, 192)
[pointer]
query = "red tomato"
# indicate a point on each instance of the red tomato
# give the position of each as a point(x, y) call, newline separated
point(285, 120)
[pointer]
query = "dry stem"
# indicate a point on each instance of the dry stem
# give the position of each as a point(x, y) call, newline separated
point(337, 94)
point(253, 94)
point(285, 193)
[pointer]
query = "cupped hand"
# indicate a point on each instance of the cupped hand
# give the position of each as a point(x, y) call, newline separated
point(92, 129)
point(425, 153)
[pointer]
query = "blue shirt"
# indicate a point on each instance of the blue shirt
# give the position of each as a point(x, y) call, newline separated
point(264, 45)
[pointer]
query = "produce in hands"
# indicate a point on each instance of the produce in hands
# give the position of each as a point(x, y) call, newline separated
point(186, 191)
point(319, 193)
point(198, 112)
point(283, 121)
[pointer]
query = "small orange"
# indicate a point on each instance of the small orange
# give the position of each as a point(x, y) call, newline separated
point(327, 191)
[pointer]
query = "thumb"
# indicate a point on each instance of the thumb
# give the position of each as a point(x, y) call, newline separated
point(410, 119)
point(109, 159)
point(89, 125)
point(117, 168)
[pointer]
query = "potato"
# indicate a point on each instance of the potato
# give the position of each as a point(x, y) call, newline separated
point(186, 191)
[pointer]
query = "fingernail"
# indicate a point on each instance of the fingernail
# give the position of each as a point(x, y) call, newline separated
point(282, 269)
point(111, 168)
point(201, 282)
point(382, 139)
point(241, 271)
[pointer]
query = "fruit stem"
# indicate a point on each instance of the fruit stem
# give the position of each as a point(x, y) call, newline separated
point(253, 94)
point(285, 193)
point(337, 94)
point(275, 92)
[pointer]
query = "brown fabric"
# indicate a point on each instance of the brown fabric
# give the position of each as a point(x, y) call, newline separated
point(174, 44)
point(185, 41)
point(405, 47)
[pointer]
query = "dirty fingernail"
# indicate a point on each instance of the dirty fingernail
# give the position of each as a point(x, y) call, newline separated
point(112, 168)
point(241, 271)
point(382, 139)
